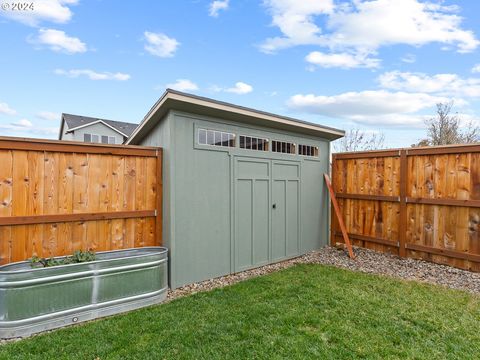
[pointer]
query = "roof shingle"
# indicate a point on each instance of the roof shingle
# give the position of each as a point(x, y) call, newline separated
point(74, 121)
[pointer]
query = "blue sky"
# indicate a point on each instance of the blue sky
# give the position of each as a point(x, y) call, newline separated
point(378, 65)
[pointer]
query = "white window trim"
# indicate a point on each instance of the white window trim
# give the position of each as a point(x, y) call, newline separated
point(213, 145)
point(110, 138)
point(309, 156)
point(91, 138)
point(256, 137)
point(285, 153)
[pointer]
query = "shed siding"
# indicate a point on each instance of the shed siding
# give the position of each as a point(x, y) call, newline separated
point(203, 235)
point(202, 208)
point(199, 201)
point(161, 136)
point(315, 209)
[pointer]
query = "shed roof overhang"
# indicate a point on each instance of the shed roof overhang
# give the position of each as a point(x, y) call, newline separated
point(176, 100)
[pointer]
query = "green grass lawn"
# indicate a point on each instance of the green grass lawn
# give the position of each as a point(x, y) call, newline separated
point(308, 311)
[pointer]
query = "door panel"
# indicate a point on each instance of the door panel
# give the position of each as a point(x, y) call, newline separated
point(286, 170)
point(266, 225)
point(244, 223)
point(286, 214)
point(261, 217)
point(252, 212)
point(292, 217)
point(279, 223)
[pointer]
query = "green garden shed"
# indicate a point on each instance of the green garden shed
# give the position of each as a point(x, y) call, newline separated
point(242, 187)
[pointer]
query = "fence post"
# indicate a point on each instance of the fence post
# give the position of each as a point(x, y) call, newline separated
point(159, 202)
point(332, 210)
point(402, 226)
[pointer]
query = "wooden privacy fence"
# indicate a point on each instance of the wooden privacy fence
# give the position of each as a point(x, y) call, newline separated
point(417, 202)
point(57, 197)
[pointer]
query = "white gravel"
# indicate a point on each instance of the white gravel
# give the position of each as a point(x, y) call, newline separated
point(366, 261)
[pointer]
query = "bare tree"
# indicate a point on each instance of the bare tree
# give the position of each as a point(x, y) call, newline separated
point(445, 129)
point(359, 140)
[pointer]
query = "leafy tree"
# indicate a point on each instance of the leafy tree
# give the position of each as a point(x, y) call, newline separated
point(445, 129)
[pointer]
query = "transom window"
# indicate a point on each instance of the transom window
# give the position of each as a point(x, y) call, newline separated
point(308, 150)
point(283, 147)
point(216, 138)
point(95, 138)
point(253, 143)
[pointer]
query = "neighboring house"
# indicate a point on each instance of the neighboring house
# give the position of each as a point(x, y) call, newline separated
point(241, 187)
point(94, 130)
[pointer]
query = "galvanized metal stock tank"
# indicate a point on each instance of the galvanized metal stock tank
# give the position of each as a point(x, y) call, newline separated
point(39, 299)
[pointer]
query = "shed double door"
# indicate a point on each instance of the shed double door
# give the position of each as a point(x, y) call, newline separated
point(266, 211)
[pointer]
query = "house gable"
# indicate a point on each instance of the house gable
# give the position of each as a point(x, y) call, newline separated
point(73, 127)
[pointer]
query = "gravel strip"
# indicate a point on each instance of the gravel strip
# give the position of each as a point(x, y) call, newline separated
point(372, 262)
point(366, 261)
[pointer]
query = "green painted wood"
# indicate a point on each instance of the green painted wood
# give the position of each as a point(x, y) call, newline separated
point(292, 215)
point(279, 220)
point(286, 216)
point(244, 222)
point(261, 223)
point(252, 212)
point(201, 215)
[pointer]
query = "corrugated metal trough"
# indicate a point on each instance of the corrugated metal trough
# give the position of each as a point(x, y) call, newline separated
point(39, 299)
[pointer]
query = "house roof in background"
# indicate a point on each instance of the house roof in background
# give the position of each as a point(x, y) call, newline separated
point(77, 121)
point(176, 100)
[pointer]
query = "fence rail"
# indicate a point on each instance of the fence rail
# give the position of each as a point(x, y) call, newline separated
point(57, 197)
point(420, 202)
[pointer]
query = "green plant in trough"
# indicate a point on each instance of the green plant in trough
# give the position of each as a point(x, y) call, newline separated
point(78, 256)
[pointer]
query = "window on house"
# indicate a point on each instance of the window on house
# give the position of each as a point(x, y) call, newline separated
point(283, 147)
point(94, 138)
point(253, 143)
point(216, 138)
point(108, 139)
point(308, 150)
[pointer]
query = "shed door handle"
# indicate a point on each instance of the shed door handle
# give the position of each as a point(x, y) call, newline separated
point(274, 206)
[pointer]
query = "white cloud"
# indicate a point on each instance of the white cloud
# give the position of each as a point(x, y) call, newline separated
point(6, 109)
point(93, 75)
point(24, 123)
point(476, 69)
point(183, 85)
point(379, 107)
point(372, 24)
point(295, 19)
point(362, 27)
point(342, 60)
point(25, 127)
point(409, 58)
point(440, 84)
point(48, 115)
point(56, 11)
point(216, 6)
point(159, 44)
point(57, 40)
point(240, 88)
